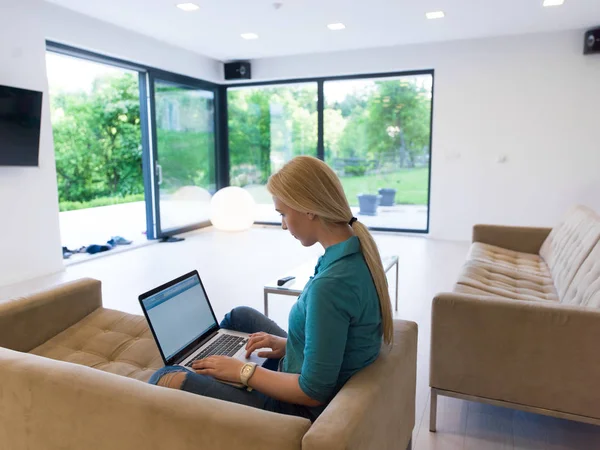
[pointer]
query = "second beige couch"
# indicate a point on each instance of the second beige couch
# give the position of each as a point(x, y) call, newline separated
point(522, 327)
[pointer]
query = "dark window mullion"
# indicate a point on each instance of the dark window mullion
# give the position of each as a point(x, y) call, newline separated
point(320, 121)
point(222, 141)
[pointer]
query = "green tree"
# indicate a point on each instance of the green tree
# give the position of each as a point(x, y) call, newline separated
point(268, 126)
point(250, 130)
point(336, 128)
point(398, 118)
point(97, 140)
point(185, 138)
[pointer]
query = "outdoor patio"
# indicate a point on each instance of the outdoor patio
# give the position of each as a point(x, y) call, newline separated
point(97, 225)
point(403, 217)
point(84, 227)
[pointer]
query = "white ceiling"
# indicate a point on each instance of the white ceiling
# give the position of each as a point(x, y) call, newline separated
point(300, 26)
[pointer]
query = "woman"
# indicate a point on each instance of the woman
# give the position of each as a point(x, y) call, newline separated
point(335, 327)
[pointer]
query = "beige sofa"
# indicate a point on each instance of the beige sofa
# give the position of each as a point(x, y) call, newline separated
point(72, 376)
point(522, 327)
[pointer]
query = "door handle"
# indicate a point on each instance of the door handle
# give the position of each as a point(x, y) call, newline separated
point(159, 172)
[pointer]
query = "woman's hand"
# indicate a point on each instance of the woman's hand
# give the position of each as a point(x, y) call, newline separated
point(221, 367)
point(262, 340)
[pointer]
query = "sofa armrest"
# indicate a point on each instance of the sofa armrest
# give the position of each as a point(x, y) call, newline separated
point(28, 322)
point(539, 354)
point(519, 239)
point(376, 408)
point(57, 405)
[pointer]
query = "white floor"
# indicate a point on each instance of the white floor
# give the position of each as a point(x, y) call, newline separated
point(89, 226)
point(234, 268)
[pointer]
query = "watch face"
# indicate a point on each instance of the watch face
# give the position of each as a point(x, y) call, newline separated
point(247, 370)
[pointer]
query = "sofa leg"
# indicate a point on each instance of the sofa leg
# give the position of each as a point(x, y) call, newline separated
point(433, 411)
point(409, 446)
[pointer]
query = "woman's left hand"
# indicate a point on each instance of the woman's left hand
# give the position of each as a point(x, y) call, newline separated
point(222, 367)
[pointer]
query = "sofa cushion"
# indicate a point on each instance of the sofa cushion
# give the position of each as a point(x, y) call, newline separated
point(107, 340)
point(569, 244)
point(585, 288)
point(496, 280)
point(509, 259)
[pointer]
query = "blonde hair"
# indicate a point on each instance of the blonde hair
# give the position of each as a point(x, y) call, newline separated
point(308, 185)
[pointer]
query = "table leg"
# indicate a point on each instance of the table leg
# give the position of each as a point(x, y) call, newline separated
point(396, 286)
point(266, 307)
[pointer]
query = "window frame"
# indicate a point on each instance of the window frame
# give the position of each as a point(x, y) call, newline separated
point(222, 163)
point(146, 77)
point(321, 125)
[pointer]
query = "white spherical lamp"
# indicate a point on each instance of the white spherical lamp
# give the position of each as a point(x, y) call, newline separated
point(232, 209)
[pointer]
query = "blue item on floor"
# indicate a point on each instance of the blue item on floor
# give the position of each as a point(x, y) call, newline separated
point(118, 240)
point(66, 253)
point(95, 248)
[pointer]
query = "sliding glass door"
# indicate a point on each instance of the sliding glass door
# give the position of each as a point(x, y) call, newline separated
point(183, 153)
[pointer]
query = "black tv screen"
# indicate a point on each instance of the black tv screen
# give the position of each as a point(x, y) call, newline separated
point(20, 122)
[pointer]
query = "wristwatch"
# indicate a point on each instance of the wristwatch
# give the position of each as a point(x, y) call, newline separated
point(246, 372)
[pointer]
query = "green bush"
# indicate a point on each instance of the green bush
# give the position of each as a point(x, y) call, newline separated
point(101, 201)
point(97, 140)
point(355, 171)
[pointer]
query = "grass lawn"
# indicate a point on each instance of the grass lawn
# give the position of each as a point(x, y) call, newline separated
point(410, 185)
point(100, 201)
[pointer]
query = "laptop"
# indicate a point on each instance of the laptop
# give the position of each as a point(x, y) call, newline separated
point(184, 325)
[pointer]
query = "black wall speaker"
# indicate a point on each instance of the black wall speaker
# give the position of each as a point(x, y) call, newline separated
point(237, 70)
point(592, 42)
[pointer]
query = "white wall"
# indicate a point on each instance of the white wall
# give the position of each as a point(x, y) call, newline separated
point(68, 27)
point(30, 244)
point(29, 232)
point(533, 98)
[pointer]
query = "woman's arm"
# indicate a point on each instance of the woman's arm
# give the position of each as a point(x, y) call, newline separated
point(326, 332)
point(278, 385)
point(281, 386)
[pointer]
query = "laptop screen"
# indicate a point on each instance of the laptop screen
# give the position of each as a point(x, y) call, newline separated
point(179, 314)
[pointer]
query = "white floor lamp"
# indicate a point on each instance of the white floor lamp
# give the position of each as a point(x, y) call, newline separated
point(232, 209)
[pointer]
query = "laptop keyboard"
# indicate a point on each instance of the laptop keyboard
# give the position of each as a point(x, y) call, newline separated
point(225, 344)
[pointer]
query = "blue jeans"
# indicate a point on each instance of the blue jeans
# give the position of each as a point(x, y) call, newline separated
point(246, 320)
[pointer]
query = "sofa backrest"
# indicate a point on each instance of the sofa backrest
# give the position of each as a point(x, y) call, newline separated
point(55, 405)
point(585, 288)
point(569, 244)
point(376, 408)
point(28, 322)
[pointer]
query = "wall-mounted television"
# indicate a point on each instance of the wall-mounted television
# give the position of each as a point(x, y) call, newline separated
point(20, 123)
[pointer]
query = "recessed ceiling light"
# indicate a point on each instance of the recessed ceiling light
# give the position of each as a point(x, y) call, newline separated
point(336, 26)
point(249, 36)
point(435, 15)
point(188, 6)
point(553, 2)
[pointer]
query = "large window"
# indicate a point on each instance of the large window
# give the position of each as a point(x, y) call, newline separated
point(374, 131)
point(377, 138)
point(268, 126)
point(95, 110)
point(140, 151)
point(135, 149)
